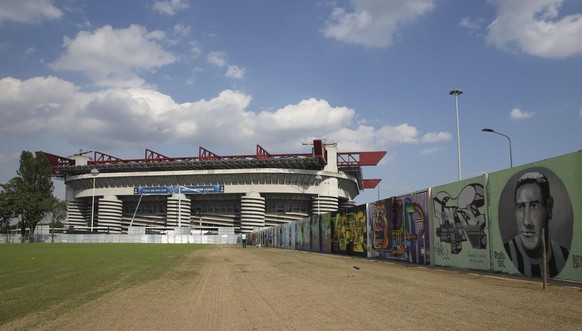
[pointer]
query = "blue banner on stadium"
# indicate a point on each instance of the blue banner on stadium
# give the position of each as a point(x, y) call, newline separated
point(165, 190)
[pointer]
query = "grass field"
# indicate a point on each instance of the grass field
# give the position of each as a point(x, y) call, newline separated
point(37, 276)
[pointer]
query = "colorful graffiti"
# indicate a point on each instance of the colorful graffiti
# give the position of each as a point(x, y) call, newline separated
point(399, 229)
point(349, 232)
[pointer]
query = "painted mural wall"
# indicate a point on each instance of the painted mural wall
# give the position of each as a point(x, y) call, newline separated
point(544, 196)
point(303, 235)
point(492, 222)
point(349, 232)
point(459, 224)
point(398, 228)
point(326, 233)
point(285, 236)
point(315, 233)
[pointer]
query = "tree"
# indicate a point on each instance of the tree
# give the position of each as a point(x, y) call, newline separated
point(32, 190)
point(6, 211)
point(59, 214)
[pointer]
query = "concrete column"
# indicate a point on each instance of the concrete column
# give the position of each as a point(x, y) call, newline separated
point(325, 204)
point(78, 213)
point(252, 211)
point(178, 206)
point(346, 204)
point(109, 213)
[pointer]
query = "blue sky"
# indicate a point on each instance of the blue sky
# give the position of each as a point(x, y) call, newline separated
point(172, 75)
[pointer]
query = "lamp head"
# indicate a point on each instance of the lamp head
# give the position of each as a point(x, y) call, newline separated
point(456, 92)
point(487, 130)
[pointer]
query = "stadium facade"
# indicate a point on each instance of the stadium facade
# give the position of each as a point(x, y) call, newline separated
point(107, 194)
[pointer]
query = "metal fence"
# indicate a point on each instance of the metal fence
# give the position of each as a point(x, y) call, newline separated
point(225, 236)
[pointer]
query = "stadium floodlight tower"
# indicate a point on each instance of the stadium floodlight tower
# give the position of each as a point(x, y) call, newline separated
point(456, 93)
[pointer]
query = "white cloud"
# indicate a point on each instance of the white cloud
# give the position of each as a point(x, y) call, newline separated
point(35, 104)
point(182, 30)
point(217, 58)
point(29, 51)
point(170, 7)
point(403, 133)
point(474, 27)
point(29, 11)
point(518, 114)
point(196, 50)
point(467, 23)
point(374, 23)
point(236, 72)
point(431, 151)
point(192, 77)
point(132, 118)
point(156, 35)
point(534, 27)
point(435, 137)
point(311, 114)
point(114, 57)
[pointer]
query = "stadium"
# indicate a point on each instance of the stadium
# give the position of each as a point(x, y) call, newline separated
point(107, 194)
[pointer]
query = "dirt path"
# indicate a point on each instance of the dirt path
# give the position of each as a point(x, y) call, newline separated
point(230, 288)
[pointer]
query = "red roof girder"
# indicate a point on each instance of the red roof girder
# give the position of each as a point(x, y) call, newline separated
point(102, 158)
point(371, 183)
point(262, 153)
point(205, 155)
point(56, 160)
point(344, 159)
point(359, 158)
point(151, 156)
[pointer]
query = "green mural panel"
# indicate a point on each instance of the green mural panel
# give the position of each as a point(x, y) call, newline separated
point(285, 235)
point(302, 238)
point(326, 233)
point(315, 234)
point(459, 224)
point(523, 201)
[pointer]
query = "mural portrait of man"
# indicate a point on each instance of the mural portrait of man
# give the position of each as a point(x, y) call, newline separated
point(538, 201)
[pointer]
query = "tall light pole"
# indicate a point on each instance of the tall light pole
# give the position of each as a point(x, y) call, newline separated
point(94, 173)
point(456, 93)
point(509, 139)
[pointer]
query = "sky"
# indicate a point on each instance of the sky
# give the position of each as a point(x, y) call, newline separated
point(120, 77)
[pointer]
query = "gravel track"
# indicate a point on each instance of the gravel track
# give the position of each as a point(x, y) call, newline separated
point(231, 288)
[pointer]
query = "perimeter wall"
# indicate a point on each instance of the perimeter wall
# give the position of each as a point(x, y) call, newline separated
point(491, 223)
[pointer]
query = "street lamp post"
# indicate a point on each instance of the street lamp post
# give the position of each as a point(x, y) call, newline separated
point(94, 173)
point(509, 139)
point(456, 93)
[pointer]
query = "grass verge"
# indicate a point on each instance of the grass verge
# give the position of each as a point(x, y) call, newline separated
point(38, 277)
